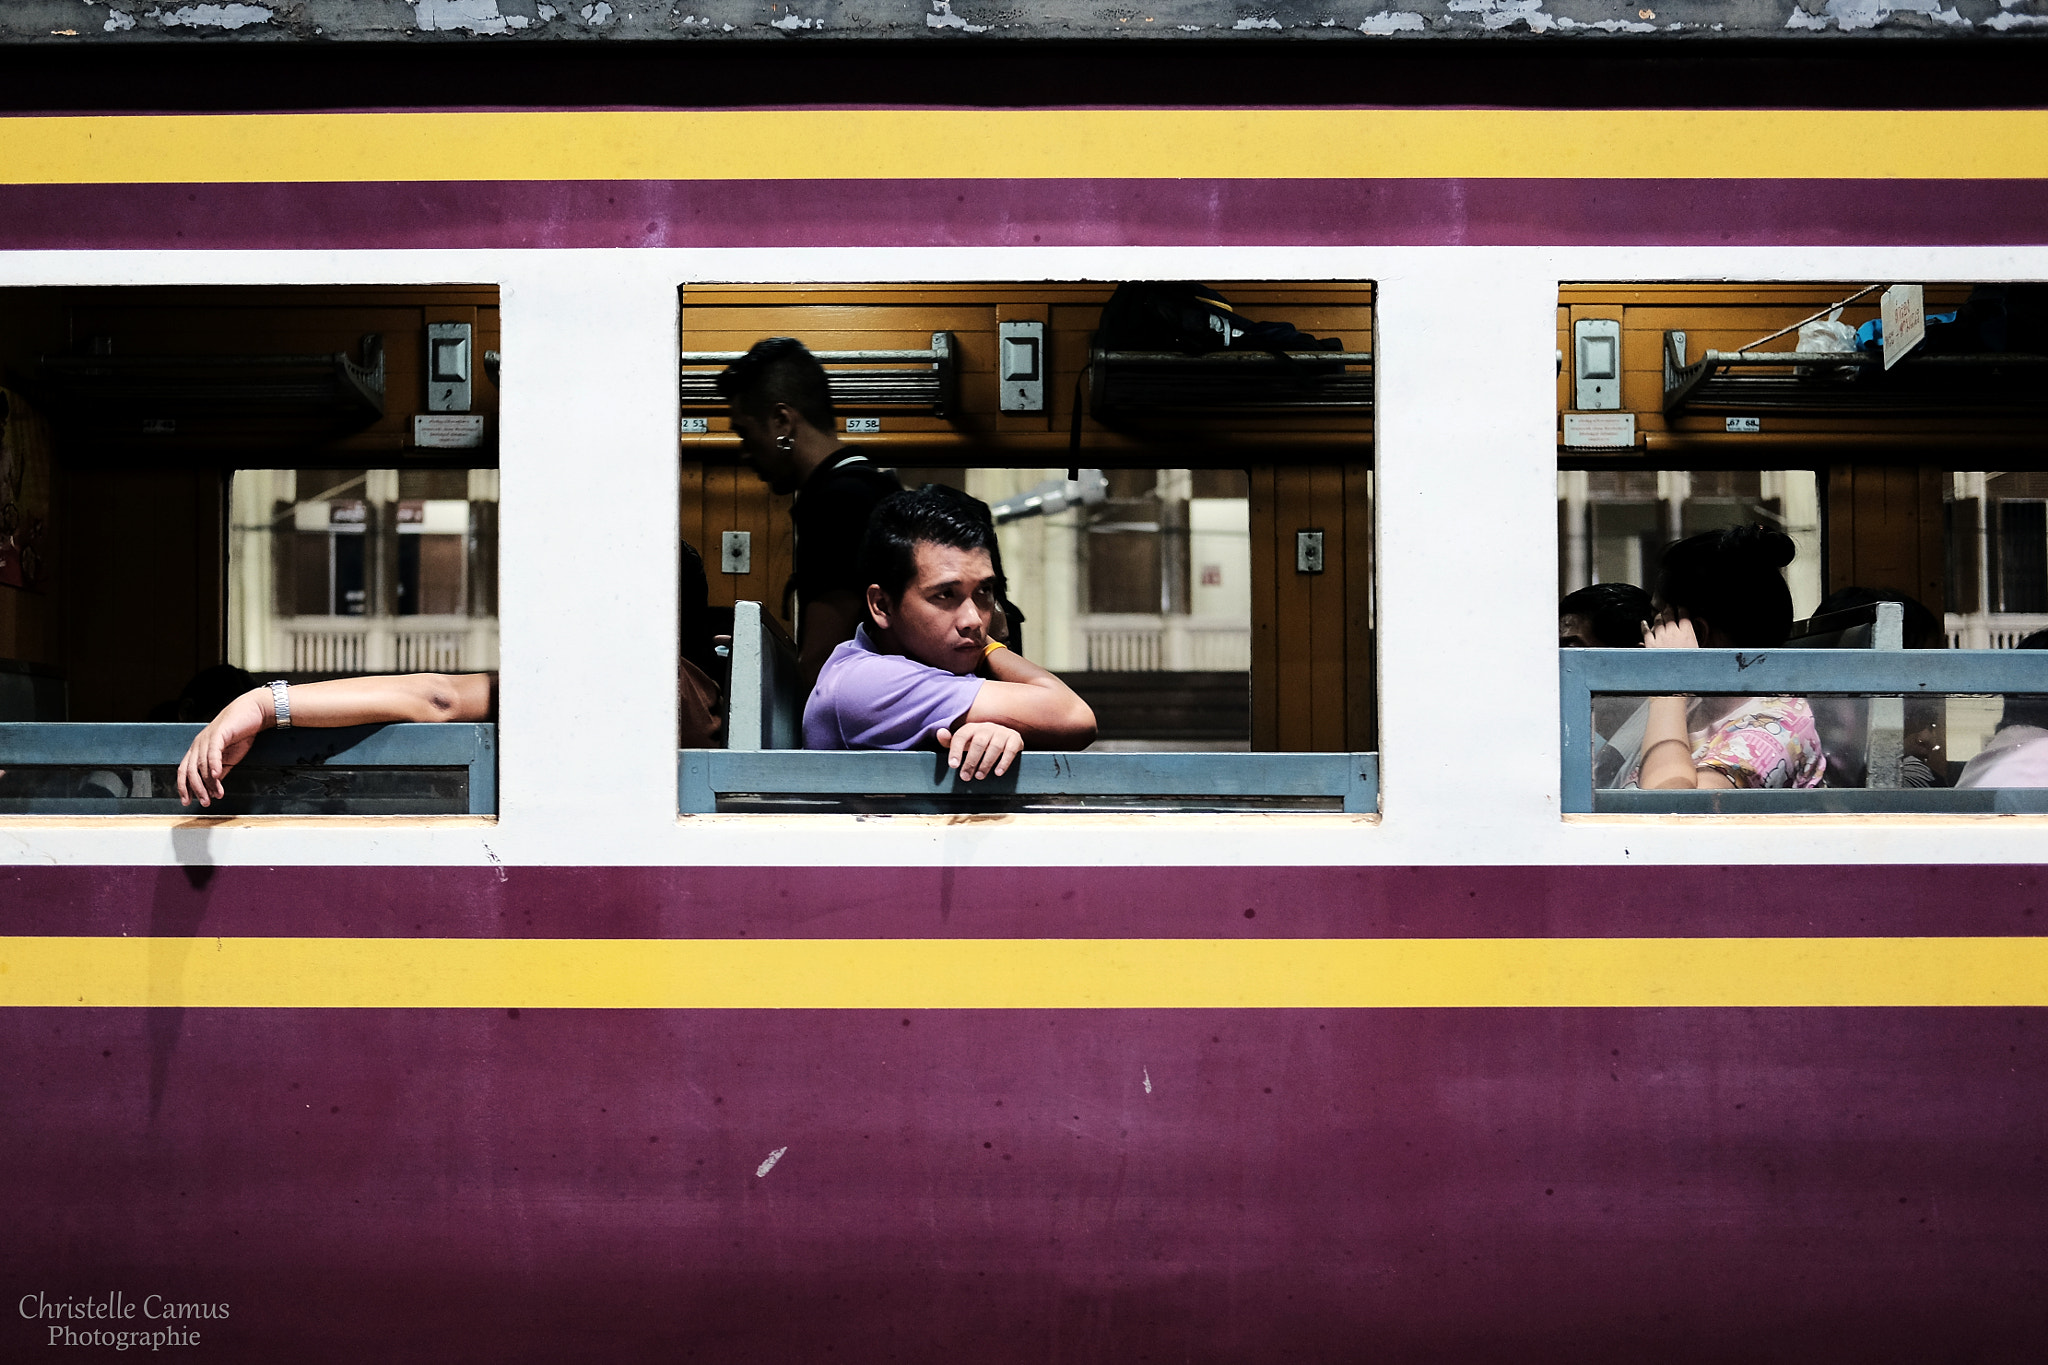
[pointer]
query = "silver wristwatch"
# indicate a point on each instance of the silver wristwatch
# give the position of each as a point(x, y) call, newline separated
point(281, 702)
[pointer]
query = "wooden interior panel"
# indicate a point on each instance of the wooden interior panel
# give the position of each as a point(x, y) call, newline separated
point(1294, 509)
point(287, 321)
point(729, 498)
point(1312, 673)
point(1885, 529)
point(1265, 575)
point(1361, 708)
point(143, 559)
point(1564, 346)
point(28, 626)
point(721, 514)
point(690, 510)
point(1326, 611)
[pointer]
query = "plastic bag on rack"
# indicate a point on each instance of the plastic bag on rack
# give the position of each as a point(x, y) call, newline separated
point(1826, 336)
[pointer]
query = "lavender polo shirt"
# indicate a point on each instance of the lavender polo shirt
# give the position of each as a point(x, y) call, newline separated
point(866, 699)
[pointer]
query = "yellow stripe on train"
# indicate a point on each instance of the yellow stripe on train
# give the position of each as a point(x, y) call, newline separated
point(1025, 144)
point(904, 974)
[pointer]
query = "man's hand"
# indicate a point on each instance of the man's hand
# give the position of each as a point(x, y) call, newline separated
point(981, 748)
point(218, 748)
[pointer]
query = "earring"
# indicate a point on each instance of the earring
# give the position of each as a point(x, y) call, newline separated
point(785, 444)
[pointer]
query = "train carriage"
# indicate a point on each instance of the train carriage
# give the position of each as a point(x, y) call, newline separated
point(1330, 1009)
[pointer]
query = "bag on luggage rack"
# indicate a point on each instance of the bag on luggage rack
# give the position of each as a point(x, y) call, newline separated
point(1181, 315)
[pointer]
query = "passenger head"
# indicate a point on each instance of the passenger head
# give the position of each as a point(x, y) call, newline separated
point(1922, 629)
point(931, 575)
point(776, 392)
point(2027, 710)
point(1609, 615)
point(1729, 584)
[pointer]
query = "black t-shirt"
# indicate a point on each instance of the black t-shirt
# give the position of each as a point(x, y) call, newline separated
point(831, 515)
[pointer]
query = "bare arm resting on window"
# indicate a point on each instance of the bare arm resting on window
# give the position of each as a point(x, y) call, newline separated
point(1022, 706)
point(322, 705)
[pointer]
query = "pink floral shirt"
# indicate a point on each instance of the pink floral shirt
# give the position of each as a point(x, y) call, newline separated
point(1764, 742)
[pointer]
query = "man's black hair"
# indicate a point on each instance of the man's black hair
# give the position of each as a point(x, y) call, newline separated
point(779, 370)
point(933, 515)
point(1615, 611)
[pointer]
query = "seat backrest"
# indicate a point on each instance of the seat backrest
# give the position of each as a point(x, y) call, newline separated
point(764, 710)
point(1875, 625)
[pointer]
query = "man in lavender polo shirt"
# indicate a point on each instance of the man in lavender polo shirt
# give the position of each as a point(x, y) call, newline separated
point(922, 672)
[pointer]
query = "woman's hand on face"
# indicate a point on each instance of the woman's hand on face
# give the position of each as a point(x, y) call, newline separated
point(1676, 634)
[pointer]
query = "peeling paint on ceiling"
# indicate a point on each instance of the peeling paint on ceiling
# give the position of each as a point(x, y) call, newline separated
point(1784, 22)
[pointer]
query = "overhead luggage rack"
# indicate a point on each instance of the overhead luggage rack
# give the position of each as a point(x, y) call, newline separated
point(1823, 384)
point(883, 379)
point(119, 390)
point(1229, 381)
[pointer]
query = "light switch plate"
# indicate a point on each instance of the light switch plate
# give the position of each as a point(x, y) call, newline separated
point(1020, 366)
point(1596, 364)
point(449, 363)
point(736, 552)
point(1308, 551)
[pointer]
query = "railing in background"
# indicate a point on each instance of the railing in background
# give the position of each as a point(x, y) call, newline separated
point(1992, 630)
point(1123, 651)
point(1583, 673)
point(88, 769)
point(920, 782)
point(326, 651)
point(384, 644)
point(1171, 644)
point(429, 651)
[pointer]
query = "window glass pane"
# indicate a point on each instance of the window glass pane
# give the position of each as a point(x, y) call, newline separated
point(1867, 742)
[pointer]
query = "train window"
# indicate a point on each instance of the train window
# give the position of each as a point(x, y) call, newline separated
point(204, 490)
point(1183, 529)
point(1881, 596)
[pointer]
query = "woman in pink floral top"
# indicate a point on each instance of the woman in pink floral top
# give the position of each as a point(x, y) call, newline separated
point(1724, 590)
point(1762, 742)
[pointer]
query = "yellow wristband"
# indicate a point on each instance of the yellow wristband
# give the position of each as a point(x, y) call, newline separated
point(991, 647)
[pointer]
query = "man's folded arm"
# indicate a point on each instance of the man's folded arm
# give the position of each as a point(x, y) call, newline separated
point(1033, 702)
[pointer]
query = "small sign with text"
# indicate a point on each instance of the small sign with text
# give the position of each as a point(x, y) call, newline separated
point(1905, 321)
point(1600, 430)
point(447, 431)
